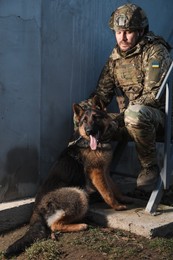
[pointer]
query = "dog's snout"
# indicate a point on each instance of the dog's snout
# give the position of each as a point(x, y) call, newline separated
point(91, 130)
point(88, 131)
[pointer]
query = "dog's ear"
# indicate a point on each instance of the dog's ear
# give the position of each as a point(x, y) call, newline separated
point(78, 110)
point(97, 103)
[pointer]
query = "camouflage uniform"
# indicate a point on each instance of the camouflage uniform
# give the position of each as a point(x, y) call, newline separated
point(135, 77)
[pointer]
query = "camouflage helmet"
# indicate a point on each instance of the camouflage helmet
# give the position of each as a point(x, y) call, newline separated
point(128, 17)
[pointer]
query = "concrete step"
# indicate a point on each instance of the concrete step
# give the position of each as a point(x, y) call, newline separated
point(15, 213)
point(135, 219)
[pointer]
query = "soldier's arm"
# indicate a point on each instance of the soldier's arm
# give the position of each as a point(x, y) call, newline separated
point(156, 64)
point(105, 89)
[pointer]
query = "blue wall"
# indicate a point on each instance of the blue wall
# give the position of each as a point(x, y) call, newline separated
point(20, 88)
point(51, 55)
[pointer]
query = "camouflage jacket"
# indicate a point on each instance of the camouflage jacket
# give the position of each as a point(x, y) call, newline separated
point(135, 75)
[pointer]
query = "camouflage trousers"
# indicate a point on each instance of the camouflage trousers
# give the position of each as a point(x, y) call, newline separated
point(143, 123)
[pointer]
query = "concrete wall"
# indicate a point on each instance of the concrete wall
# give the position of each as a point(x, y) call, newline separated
point(51, 54)
point(20, 88)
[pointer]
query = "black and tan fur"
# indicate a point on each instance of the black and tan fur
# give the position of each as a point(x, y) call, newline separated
point(62, 201)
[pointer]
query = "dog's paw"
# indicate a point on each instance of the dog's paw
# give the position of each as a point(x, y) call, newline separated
point(55, 235)
point(83, 226)
point(120, 207)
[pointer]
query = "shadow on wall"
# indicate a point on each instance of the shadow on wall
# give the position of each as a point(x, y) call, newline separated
point(21, 174)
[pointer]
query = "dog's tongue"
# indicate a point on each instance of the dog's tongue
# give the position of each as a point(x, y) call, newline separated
point(93, 143)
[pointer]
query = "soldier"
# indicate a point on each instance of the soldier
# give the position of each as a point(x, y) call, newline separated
point(134, 73)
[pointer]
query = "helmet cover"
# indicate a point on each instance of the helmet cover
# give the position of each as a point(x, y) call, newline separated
point(128, 17)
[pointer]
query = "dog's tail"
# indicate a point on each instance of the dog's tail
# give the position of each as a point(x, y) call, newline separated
point(37, 231)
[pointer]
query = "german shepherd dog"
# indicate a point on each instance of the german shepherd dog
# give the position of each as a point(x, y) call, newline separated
point(62, 200)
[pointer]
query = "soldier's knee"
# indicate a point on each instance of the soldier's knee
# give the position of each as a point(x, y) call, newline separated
point(134, 115)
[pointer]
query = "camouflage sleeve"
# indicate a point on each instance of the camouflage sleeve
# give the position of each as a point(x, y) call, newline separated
point(156, 63)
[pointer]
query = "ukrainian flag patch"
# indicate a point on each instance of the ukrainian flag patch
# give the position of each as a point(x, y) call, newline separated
point(155, 64)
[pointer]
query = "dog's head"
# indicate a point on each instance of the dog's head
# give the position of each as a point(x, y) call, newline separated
point(92, 122)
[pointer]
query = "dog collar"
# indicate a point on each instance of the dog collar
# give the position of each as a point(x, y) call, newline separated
point(75, 141)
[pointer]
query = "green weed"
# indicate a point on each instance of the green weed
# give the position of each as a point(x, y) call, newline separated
point(43, 250)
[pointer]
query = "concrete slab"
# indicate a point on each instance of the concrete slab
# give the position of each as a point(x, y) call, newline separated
point(15, 213)
point(135, 219)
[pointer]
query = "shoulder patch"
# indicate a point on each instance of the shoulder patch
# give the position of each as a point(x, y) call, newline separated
point(155, 64)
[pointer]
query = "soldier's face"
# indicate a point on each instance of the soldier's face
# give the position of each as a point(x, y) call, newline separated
point(126, 39)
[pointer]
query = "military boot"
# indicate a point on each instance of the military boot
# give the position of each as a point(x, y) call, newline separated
point(148, 177)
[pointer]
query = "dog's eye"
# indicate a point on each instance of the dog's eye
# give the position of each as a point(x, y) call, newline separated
point(84, 120)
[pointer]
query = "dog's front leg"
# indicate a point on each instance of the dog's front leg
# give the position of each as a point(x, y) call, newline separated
point(98, 180)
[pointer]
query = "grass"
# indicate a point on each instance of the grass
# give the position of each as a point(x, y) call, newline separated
point(162, 244)
point(110, 244)
point(43, 250)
